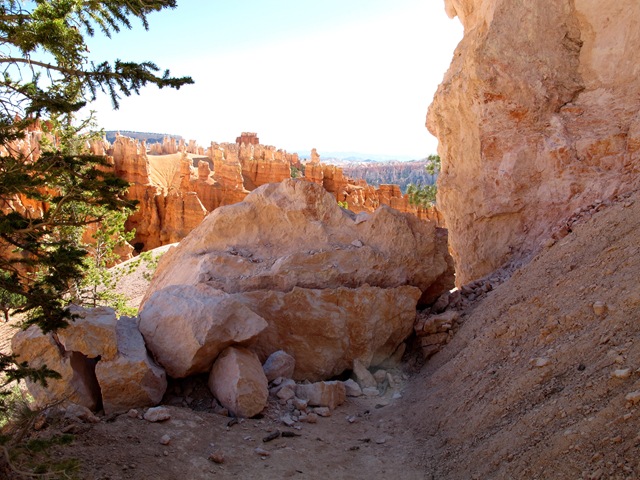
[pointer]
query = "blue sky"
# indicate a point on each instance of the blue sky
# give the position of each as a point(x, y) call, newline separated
point(337, 75)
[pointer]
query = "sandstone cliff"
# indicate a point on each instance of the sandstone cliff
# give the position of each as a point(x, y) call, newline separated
point(538, 116)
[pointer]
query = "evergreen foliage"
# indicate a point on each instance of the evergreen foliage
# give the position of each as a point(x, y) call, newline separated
point(425, 195)
point(45, 198)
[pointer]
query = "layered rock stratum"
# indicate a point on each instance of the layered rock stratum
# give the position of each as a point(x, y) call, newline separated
point(538, 115)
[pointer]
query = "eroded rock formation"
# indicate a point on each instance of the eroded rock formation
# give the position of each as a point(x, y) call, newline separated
point(332, 286)
point(179, 184)
point(539, 115)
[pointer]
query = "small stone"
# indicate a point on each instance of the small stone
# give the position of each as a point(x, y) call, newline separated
point(217, 457)
point(396, 396)
point(381, 440)
point(300, 404)
point(599, 308)
point(288, 421)
point(133, 413)
point(286, 393)
point(539, 362)
point(352, 419)
point(371, 392)
point(165, 453)
point(633, 397)
point(357, 243)
point(380, 376)
point(262, 452)
point(279, 364)
point(165, 440)
point(323, 394)
point(393, 383)
point(322, 411)
point(621, 373)
point(363, 376)
point(80, 413)
point(310, 418)
point(157, 414)
point(352, 388)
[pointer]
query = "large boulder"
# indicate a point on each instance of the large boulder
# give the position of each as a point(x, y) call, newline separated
point(101, 360)
point(238, 382)
point(326, 330)
point(77, 382)
point(294, 233)
point(187, 326)
point(332, 286)
point(131, 379)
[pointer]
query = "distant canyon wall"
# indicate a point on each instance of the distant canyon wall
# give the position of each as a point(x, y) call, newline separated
point(538, 116)
point(177, 184)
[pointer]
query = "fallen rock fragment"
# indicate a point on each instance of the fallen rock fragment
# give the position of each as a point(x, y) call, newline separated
point(371, 392)
point(238, 382)
point(279, 364)
point(262, 452)
point(322, 411)
point(271, 436)
point(599, 308)
point(363, 376)
point(322, 394)
point(621, 374)
point(77, 383)
point(217, 457)
point(633, 397)
point(157, 414)
point(539, 362)
point(352, 389)
point(80, 413)
point(131, 378)
point(436, 323)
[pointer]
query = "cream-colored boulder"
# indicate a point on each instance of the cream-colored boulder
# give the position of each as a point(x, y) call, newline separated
point(101, 360)
point(92, 332)
point(132, 379)
point(537, 117)
point(294, 233)
point(238, 382)
point(77, 383)
point(332, 286)
point(186, 327)
point(326, 330)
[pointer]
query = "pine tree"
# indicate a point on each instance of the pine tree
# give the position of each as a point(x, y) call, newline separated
point(49, 192)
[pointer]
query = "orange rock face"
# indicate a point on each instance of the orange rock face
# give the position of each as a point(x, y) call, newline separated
point(539, 115)
point(175, 191)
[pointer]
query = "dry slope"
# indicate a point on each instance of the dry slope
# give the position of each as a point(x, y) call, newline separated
point(528, 388)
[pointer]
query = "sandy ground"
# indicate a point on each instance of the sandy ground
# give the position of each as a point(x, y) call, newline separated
point(537, 383)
